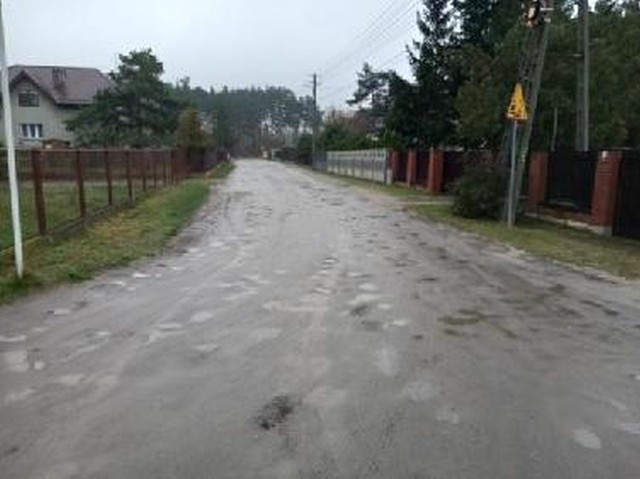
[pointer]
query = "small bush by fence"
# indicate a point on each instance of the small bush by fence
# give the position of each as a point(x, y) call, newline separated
point(571, 180)
point(62, 188)
point(365, 164)
point(456, 163)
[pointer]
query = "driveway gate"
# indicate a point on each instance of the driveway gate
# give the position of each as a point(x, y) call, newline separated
point(627, 221)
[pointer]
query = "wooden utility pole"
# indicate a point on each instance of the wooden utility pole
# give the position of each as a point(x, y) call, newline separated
point(315, 118)
point(584, 80)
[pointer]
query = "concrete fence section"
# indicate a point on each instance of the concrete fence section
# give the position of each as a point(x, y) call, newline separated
point(365, 164)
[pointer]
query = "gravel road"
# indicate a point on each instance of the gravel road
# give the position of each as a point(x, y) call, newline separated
point(303, 328)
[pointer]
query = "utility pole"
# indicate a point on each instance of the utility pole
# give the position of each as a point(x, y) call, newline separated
point(11, 152)
point(584, 78)
point(315, 118)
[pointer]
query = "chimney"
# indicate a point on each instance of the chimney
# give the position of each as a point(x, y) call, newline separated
point(59, 78)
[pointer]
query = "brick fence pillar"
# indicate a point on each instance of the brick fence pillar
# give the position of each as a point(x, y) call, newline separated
point(412, 167)
point(395, 165)
point(538, 173)
point(435, 182)
point(605, 191)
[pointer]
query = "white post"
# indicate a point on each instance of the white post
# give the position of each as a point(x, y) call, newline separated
point(512, 206)
point(11, 152)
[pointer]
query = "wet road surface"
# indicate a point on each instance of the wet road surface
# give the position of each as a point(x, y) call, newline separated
point(301, 328)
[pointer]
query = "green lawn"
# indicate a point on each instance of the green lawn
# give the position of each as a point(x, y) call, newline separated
point(61, 206)
point(114, 241)
point(618, 256)
point(394, 190)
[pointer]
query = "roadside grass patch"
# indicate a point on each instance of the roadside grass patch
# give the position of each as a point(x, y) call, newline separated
point(115, 241)
point(614, 255)
point(61, 203)
point(221, 171)
point(394, 189)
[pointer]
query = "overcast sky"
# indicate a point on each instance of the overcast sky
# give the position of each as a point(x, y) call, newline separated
point(220, 42)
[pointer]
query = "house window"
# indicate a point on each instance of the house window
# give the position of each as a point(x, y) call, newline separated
point(31, 131)
point(28, 98)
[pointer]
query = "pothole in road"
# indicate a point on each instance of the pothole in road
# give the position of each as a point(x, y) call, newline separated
point(466, 318)
point(360, 310)
point(276, 412)
point(471, 318)
point(371, 325)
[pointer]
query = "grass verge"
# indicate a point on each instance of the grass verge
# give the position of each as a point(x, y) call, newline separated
point(393, 190)
point(617, 256)
point(116, 241)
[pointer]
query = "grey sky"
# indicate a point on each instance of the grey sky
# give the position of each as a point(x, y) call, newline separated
point(218, 42)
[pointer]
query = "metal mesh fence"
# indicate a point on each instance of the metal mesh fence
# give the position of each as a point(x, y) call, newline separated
point(61, 188)
point(571, 180)
point(627, 216)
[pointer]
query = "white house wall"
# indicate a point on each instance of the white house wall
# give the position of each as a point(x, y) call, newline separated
point(47, 113)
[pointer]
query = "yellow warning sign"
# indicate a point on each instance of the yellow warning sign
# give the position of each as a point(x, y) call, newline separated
point(518, 110)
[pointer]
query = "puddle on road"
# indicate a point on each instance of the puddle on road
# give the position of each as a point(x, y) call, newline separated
point(420, 391)
point(587, 439)
point(170, 326)
point(18, 396)
point(368, 288)
point(16, 361)
point(387, 361)
point(69, 380)
point(630, 427)
point(448, 414)
point(207, 348)
point(400, 323)
point(201, 317)
point(13, 339)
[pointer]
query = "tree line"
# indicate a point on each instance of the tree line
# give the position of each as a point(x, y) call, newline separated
point(465, 65)
point(140, 110)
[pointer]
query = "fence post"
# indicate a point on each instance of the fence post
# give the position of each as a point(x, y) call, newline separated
point(144, 170)
point(127, 156)
point(36, 171)
point(605, 191)
point(172, 166)
point(164, 168)
point(80, 181)
point(109, 177)
point(395, 165)
point(412, 164)
point(435, 177)
point(538, 172)
point(154, 158)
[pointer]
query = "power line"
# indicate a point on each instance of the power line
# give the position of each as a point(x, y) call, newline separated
point(379, 41)
point(368, 55)
point(358, 38)
point(334, 92)
point(371, 40)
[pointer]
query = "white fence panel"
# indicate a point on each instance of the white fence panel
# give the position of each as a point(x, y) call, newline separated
point(370, 165)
